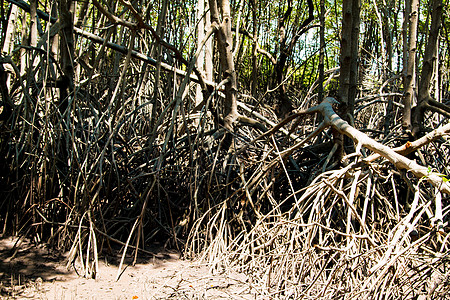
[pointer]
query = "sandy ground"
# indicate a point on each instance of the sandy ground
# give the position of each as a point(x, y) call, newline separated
point(28, 271)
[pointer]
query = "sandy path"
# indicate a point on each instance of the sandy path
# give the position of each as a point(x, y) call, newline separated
point(33, 272)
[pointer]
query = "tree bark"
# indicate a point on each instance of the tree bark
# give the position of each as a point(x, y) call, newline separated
point(66, 50)
point(322, 49)
point(33, 23)
point(410, 75)
point(7, 43)
point(200, 35)
point(430, 57)
point(388, 38)
point(23, 52)
point(405, 36)
point(209, 67)
point(348, 77)
point(10, 30)
point(157, 49)
point(349, 58)
point(54, 41)
point(225, 46)
point(254, 50)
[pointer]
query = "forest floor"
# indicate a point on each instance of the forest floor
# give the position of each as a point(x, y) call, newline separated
point(30, 271)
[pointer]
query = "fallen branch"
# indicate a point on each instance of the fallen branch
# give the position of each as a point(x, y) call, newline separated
point(360, 138)
point(410, 147)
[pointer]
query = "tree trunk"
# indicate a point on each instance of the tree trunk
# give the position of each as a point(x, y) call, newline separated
point(349, 58)
point(405, 37)
point(225, 46)
point(54, 41)
point(388, 38)
point(23, 51)
point(33, 23)
point(430, 57)
point(66, 50)
point(7, 45)
point(254, 50)
point(157, 49)
point(382, 36)
point(322, 50)
point(200, 35)
point(410, 75)
point(348, 68)
point(209, 67)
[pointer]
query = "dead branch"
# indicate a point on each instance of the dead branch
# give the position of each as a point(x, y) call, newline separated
point(360, 138)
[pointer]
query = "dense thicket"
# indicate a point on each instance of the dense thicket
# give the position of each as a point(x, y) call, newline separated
point(303, 142)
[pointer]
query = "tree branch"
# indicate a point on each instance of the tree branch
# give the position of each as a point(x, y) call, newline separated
point(116, 20)
point(398, 160)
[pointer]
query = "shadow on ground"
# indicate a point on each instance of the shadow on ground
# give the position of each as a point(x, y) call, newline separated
point(25, 265)
point(30, 271)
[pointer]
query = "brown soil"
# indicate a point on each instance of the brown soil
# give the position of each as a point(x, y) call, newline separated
point(29, 271)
